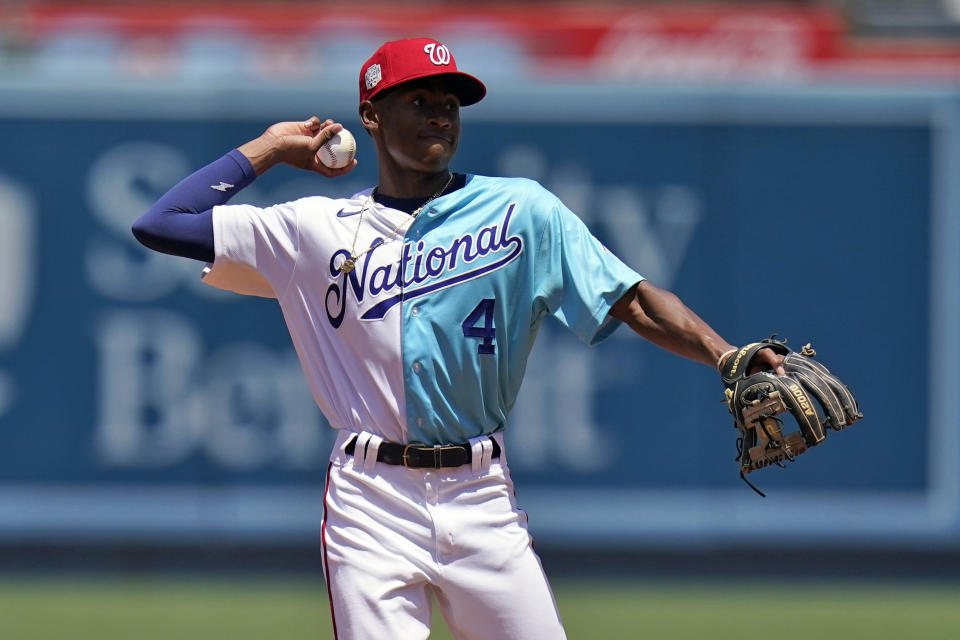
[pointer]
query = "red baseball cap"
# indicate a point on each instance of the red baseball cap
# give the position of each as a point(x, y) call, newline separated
point(405, 60)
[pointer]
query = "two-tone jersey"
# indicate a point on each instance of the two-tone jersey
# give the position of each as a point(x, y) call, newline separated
point(427, 338)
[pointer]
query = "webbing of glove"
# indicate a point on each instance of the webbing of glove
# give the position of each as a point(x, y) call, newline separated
point(756, 402)
point(764, 443)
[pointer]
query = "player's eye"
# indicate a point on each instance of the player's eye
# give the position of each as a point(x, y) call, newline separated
point(418, 101)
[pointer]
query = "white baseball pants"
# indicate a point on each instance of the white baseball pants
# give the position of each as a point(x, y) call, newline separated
point(392, 536)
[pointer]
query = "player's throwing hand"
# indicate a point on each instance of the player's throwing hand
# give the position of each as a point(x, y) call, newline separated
point(296, 144)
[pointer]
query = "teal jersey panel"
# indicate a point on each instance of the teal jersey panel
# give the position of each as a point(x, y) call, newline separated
point(482, 268)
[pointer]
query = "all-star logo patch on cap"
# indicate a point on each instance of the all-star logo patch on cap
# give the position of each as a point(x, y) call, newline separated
point(405, 60)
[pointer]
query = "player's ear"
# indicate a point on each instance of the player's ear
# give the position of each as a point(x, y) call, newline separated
point(369, 116)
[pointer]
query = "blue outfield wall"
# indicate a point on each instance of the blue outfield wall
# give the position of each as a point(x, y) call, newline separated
point(137, 403)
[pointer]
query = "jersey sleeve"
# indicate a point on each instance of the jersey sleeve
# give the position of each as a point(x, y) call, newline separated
point(256, 249)
point(579, 279)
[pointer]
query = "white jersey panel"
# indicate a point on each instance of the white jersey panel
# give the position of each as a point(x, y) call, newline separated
point(353, 367)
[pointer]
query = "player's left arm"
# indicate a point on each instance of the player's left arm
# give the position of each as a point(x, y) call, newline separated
point(662, 318)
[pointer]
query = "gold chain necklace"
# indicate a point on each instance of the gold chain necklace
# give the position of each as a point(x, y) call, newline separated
point(350, 263)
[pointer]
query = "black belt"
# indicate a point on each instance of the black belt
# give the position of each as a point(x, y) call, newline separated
point(424, 456)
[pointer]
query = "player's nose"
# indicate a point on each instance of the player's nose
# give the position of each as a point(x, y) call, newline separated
point(440, 119)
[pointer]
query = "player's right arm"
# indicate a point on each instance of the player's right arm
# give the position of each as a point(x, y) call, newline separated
point(181, 221)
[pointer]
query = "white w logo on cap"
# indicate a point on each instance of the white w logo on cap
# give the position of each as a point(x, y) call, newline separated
point(439, 54)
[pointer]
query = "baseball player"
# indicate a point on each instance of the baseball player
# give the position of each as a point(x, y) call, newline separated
point(413, 306)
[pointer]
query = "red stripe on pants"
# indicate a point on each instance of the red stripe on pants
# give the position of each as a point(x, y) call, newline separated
point(323, 545)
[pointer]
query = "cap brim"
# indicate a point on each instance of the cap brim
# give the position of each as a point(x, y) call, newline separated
point(467, 88)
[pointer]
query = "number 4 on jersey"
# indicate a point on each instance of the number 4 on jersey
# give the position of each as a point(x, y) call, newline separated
point(486, 331)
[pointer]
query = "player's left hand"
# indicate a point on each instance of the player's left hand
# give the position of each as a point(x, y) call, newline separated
point(767, 360)
point(814, 397)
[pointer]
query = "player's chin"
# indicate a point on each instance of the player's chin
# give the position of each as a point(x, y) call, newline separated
point(437, 154)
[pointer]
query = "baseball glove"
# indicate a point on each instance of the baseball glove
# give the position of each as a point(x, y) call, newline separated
point(816, 399)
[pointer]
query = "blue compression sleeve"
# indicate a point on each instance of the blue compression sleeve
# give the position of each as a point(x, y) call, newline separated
point(181, 221)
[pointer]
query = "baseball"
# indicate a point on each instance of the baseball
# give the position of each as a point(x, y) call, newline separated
point(338, 152)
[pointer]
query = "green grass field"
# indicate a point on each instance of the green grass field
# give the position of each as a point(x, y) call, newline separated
point(247, 608)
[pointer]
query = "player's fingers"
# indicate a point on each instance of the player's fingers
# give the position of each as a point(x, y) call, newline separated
point(312, 125)
point(767, 359)
point(329, 130)
point(323, 169)
point(347, 169)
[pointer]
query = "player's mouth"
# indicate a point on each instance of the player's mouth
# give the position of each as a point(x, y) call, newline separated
point(437, 136)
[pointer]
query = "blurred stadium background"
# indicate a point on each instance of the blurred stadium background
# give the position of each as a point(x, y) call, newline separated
point(783, 166)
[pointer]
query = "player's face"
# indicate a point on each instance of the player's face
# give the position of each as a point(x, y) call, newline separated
point(420, 124)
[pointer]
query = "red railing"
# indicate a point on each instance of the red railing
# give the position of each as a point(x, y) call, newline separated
point(690, 40)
